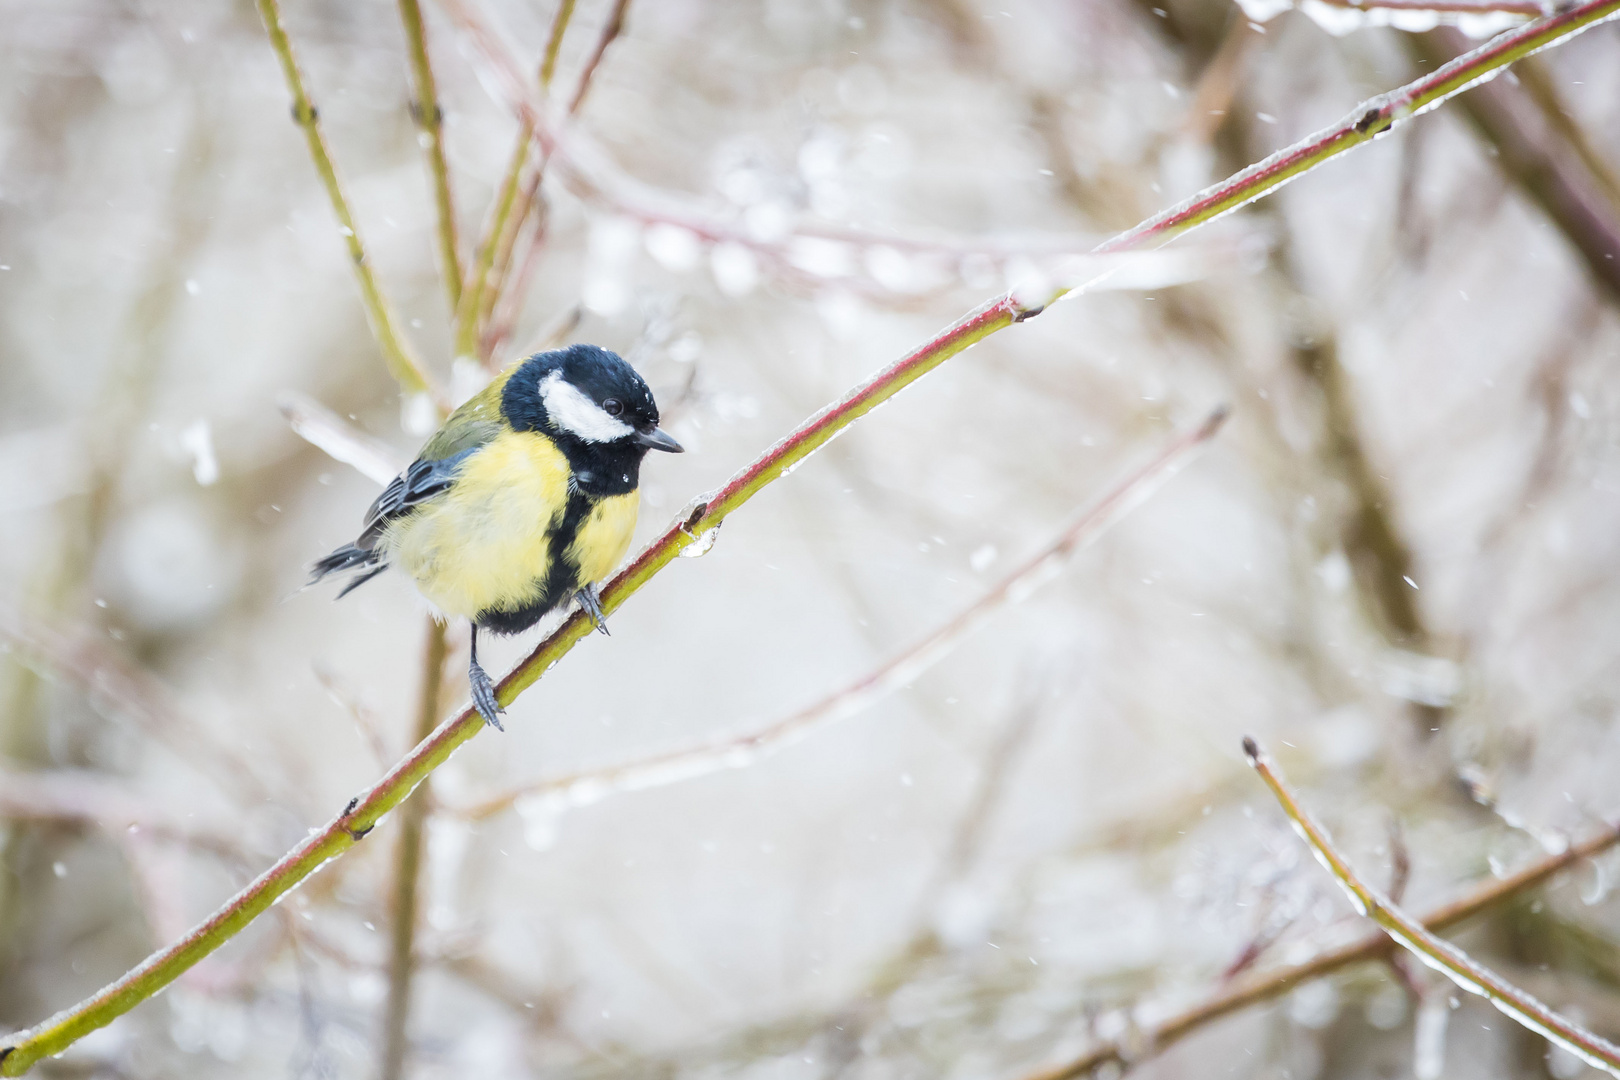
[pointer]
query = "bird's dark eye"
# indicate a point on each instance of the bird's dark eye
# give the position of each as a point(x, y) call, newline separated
point(613, 406)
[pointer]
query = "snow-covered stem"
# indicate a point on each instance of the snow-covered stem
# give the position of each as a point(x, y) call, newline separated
point(402, 361)
point(716, 755)
point(1433, 951)
point(429, 119)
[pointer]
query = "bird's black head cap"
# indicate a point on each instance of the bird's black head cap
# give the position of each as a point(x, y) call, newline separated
point(596, 408)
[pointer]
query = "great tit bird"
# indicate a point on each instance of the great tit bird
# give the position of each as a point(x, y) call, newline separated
point(523, 500)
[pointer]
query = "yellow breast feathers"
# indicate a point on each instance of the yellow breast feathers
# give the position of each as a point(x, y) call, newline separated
point(604, 536)
point(488, 542)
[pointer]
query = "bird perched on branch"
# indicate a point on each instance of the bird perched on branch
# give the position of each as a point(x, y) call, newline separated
point(523, 500)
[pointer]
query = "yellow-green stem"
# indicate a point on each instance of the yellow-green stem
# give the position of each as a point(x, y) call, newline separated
point(402, 362)
point(429, 117)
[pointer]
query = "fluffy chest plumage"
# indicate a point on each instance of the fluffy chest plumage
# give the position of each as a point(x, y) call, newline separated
point(511, 536)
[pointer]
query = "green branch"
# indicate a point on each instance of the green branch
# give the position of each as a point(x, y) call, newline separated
point(402, 362)
point(429, 117)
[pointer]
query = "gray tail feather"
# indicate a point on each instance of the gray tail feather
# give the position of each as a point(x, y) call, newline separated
point(349, 557)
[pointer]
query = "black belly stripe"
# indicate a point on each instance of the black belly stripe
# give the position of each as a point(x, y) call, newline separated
point(562, 580)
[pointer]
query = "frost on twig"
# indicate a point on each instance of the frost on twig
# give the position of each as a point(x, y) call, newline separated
point(1433, 951)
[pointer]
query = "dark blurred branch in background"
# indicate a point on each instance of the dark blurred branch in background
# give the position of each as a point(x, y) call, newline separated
point(1536, 82)
point(1368, 532)
point(1544, 151)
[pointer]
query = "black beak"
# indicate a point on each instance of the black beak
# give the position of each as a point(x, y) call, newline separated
point(656, 439)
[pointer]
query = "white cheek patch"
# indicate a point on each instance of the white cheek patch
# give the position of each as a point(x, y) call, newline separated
point(577, 414)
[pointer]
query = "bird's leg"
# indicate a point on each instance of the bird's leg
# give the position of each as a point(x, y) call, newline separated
point(591, 601)
point(483, 691)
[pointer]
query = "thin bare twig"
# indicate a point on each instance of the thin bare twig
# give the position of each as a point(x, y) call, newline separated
point(1433, 951)
point(429, 119)
point(503, 317)
point(506, 199)
point(1267, 985)
point(520, 193)
point(407, 868)
point(1219, 82)
point(472, 295)
point(612, 27)
point(581, 789)
point(402, 361)
point(20, 1050)
point(1529, 8)
point(82, 797)
point(559, 27)
point(1575, 200)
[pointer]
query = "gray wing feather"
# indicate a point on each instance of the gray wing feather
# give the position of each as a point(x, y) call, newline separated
point(416, 485)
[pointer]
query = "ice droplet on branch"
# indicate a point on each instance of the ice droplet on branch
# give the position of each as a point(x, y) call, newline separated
point(701, 544)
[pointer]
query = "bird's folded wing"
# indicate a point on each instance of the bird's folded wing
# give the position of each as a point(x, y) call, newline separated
point(416, 485)
point(468, 430)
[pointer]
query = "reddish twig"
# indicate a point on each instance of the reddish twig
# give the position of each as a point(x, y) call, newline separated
point(581, 789)
point(520, 195)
